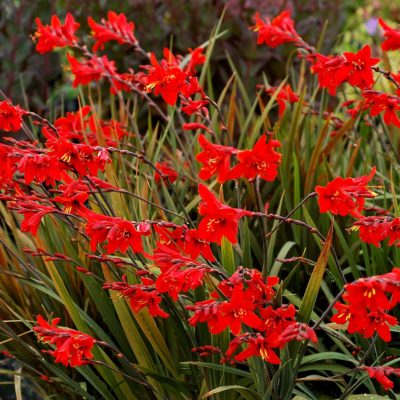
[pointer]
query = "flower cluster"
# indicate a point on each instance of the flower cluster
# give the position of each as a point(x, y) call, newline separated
point(245, 299)
point(368, 301)
point(283, 95)
point(277, 31)
point(119, 233)
point(10, 117)
point(354, 68)
point(219, 220)
point(381, 375)
point(72, 347)
point(262, 160)
point(55, 35)
point(114, 28)
point(345, 196)
point(168, 79)
point(357, 69)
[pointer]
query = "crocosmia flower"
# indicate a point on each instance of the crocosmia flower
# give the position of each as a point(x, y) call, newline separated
point(115, 27)
point(358, 68)
point(368, 301)
point(56, 34)
point(168, 172)
point(140, 295)
point(166, 78)
point(73, 348)
point(381, 375)
point(119, 233)
point(284, 96)
point(329, 70)
point(10, 117)
point(389, 105)
point(373, 229)
point(258, 345)
point(345, 196)
point(219, 220)
point(262, 160)
point(276, 32)
point(354, 68)
point(215, 160)
point(392, 37)
point(91, 70)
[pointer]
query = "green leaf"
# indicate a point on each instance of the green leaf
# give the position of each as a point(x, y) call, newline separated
point(314, 284)
point(217, 367)
point(245, 392)
point(228, 259)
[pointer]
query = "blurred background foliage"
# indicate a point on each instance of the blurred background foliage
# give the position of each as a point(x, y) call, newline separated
point(179, 23)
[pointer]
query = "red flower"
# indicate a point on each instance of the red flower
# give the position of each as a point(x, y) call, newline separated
point(262, 160)
point(297, 331)
point(354, 68)
point(373, 229)
point(275, 320)
point(178, 273)
point(381, 375)
point(9, 158)
point(193, 106)
point(55, 35)
point(392, 37)
point(257, 288)
point(40, 168)
point(115, 27)
point(73, 348)
point(367, 303)
point(125, 234)
point(72, 125)
point(382, 102)
point(184, 240)
point(173, 239)
point(166, 78)
point(219, 219)
point(10, 117)
point(216, 159)
point(394, 232)
point(230, 313)
point(194, 246)
point(242, 294)
point(197, 57)
point(167, 171)
point(111, 131)
point(276, 32)
point(240, 308)
point(257, 346)
point(329, 70)
point(344, 196)
point(343, 315)
point(378, 322)
point(119, 233)
point(285, 95)
point(389, 282)
point(33, 213)
point(358, 68)
point(80, 126)
point(91, 70)
point(79, 158)
point(140, 296)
